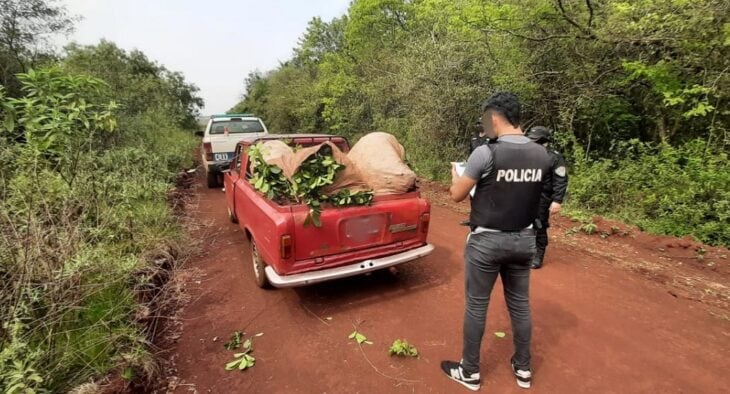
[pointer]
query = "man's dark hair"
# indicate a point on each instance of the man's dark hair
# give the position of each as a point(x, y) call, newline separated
point(506, 104)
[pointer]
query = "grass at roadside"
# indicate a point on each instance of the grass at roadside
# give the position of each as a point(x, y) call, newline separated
point(83, 219)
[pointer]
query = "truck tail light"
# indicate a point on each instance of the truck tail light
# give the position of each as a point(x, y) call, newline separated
point(425, 221)
point(286, 246)
point(208, 149)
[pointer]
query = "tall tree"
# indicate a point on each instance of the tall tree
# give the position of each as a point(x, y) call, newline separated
point(26, 27)
point(141, 84)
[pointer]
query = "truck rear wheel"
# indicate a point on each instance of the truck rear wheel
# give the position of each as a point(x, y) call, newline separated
point(212, 180)
point(258, 267)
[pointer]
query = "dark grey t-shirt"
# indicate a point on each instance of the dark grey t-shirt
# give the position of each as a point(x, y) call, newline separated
point(481, 163)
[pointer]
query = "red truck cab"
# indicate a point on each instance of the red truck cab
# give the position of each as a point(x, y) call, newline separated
point(350, 241)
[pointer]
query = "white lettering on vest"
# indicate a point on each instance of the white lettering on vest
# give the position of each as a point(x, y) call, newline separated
point(522, 175)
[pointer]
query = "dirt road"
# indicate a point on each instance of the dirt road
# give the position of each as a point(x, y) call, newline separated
point(626, 314)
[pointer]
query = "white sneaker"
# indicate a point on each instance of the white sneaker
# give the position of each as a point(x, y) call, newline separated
point(524, 377)
point(455, 372)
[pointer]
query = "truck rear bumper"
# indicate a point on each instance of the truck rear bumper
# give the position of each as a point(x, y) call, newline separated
point(217, 166)
point(308, 278)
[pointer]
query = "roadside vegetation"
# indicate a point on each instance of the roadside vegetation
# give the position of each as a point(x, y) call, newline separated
point(636, 92)
point(91, 141)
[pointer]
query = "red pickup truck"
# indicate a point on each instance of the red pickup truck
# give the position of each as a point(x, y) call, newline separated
point(351, 240)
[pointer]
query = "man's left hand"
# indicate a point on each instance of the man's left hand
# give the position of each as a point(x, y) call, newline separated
point(555, 208)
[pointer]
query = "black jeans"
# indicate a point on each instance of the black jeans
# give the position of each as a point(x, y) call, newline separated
point(487, 256)
point(541, 234)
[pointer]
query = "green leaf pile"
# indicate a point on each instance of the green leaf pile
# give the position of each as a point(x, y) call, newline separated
point(268, 179)
point(306, 185)
point(401, 347)
point(243, 360)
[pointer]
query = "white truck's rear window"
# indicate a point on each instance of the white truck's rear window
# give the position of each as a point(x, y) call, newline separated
point(236, 126)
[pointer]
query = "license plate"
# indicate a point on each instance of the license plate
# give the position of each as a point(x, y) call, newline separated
point(220, 156)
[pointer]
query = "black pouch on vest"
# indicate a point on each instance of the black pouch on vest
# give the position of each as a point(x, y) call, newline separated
point(538, 224)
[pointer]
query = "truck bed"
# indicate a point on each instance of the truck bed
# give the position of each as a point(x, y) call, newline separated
point(391, 228)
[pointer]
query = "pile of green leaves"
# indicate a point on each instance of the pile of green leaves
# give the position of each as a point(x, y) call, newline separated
point(268, 179)
point(401, 347)
point(243, 360)
point(347, 197)
point(306, 186)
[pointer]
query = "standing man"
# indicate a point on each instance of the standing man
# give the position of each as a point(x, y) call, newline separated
point(478, 140)
point(508, 175)
point(553, 194)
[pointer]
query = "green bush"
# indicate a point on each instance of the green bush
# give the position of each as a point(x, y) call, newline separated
point(83, 202)
point(663, 189)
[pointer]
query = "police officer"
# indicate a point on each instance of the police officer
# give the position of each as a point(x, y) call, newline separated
point(553, 194)
point(509, 175)
point(479, 139)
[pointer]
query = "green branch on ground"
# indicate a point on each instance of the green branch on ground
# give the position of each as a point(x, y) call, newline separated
point(235, 341)
point(359, 338)
point(401, 347)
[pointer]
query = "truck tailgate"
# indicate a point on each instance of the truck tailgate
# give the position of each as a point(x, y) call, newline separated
point(387, 221)
point(222, 143)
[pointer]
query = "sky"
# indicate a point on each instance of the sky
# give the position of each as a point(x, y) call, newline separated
point(215, 43)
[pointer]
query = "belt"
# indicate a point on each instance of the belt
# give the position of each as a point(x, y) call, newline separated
point(481, 229)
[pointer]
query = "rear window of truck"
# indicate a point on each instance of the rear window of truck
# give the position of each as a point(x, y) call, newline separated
point(235, 126)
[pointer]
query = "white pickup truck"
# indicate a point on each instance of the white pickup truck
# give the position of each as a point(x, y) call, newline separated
point(220, 138)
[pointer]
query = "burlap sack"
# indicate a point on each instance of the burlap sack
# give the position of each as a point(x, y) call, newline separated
point(290, 161)
point(275, 149)
point(380, 160)
point(271, 150)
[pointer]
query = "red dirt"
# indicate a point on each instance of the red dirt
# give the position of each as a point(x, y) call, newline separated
point(623, 313)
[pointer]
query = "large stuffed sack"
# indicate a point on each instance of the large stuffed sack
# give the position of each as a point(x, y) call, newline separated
point(282, 156)
point(273, 150)
point(380, 159)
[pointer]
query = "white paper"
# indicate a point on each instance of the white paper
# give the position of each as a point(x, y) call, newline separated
point(460, 167)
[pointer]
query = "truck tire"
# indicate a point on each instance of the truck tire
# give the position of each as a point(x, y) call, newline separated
point(212, 180)
point(259, 265)
point(232, 216)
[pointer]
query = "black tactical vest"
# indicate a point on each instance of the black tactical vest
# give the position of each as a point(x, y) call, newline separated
point(508, 197)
